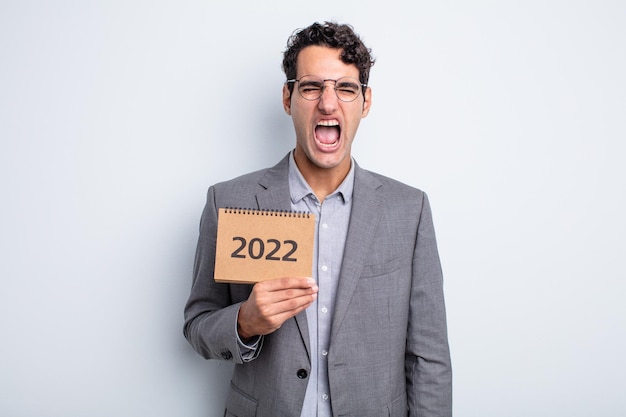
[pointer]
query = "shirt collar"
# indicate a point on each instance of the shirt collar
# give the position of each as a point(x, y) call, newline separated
point(299, 188)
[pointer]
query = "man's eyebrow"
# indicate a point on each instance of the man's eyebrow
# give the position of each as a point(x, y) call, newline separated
point(347, 83)
point(314, 82)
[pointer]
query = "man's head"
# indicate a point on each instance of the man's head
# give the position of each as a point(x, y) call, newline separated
point(326, 94)
point(332, 35)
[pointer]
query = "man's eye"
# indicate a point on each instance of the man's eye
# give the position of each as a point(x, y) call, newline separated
point(310, 88)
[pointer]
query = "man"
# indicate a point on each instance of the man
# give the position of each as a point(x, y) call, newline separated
point(366, 334)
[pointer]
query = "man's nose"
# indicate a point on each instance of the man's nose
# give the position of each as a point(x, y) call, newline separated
point(328, 100)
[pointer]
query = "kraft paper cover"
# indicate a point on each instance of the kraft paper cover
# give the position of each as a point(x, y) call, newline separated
point(258, 245)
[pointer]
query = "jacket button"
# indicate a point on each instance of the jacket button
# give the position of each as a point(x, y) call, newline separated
point(302, 373)
point(227, 355)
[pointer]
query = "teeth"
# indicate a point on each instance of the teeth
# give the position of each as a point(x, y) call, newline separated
point(328, 123)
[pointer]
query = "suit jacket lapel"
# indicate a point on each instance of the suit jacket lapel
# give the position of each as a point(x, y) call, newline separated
point(364, 221)
point(275, 195)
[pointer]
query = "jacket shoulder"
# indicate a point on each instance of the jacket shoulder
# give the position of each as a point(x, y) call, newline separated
point(241, 191)
point(238, 191)
point(392, 187)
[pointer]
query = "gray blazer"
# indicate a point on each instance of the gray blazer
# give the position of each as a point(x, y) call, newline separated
point(388, 351)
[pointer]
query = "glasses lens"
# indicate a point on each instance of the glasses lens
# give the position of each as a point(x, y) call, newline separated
point(346, 88)
point(310, 88)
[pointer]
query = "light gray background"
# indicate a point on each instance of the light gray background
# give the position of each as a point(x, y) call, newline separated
point(116, 116)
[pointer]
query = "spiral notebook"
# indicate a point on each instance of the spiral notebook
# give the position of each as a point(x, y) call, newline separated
point(258, 245)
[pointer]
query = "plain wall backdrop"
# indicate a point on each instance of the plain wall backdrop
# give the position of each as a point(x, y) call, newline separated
point(115, 117)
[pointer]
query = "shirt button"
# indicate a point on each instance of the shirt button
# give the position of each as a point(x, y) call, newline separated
point(324, 352)
point(325, 397)
point(324, 268)
point(324, 310)
point(325, 226)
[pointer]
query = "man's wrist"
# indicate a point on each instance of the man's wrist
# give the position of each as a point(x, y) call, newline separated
point(244, 336)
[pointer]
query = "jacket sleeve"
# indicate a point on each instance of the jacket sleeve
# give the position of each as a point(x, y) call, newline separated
point(211, 310)
point(428, 365)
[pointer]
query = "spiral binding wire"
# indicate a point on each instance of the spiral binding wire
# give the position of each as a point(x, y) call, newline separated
point(268, 212)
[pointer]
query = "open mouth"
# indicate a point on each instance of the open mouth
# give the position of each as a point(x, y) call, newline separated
point(327, 133)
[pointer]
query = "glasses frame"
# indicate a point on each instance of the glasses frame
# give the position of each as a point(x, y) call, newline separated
point(297, 80)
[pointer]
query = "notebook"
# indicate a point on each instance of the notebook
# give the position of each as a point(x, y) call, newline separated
point(258, 245)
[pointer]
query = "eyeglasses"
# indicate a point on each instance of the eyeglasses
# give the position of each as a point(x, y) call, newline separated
point(311, 88)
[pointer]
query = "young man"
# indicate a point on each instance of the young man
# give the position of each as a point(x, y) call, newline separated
point(365, 335)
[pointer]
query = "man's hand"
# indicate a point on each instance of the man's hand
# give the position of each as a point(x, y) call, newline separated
point(273, 302)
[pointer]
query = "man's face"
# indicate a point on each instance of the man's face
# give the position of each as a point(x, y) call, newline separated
point(326, 127)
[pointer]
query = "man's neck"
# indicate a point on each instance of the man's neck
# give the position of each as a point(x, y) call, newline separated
point(323, 181)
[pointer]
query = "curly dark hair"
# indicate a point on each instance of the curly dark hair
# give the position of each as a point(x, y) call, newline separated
point(333, 35)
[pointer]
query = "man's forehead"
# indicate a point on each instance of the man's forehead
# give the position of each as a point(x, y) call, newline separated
point(323, 61)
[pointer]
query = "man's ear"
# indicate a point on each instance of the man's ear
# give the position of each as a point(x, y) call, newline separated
point(286, 99)
point(367, 102)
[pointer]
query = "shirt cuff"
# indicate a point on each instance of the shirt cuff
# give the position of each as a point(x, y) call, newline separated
point(248, 351)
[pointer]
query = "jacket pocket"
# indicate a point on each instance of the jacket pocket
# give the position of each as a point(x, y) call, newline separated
point(398, 407)
point(239, 404)
point(385, 268)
